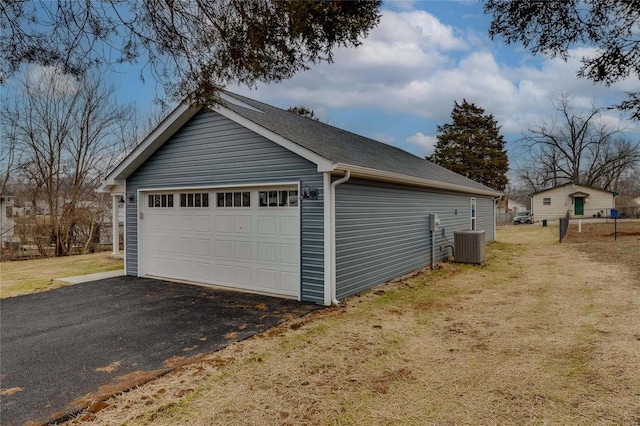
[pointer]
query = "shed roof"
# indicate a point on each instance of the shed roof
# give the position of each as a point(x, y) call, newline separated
point(336, 149)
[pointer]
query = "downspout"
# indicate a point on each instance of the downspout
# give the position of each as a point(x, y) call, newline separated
point(334, 184)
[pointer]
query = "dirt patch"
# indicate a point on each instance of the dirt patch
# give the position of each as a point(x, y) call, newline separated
point(109, 368)
point(599, 242)
point(544, 333)
point(10, 391)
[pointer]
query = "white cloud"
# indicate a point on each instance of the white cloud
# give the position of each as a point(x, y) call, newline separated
point(384, 138)
point(425, 143)
point(50, 79)
point(414, 65)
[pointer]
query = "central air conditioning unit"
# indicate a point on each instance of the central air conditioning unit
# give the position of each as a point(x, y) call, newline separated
point(468, 246)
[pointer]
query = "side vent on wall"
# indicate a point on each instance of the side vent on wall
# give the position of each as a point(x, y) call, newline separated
point(468, 246)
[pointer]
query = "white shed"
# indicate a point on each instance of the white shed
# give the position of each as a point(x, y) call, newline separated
point(578, 200)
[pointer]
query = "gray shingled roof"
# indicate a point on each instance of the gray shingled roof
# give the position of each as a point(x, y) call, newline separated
point(341, 146)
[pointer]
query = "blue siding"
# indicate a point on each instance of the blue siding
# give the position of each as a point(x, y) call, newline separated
point(213, 150)
point(485, 219)
point(382, 230)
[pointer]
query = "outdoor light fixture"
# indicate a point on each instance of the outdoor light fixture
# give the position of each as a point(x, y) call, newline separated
point(309, 193)
point(126, 198)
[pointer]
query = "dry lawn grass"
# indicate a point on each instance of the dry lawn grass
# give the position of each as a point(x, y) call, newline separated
point(597, 240)
point(30, 276)
point(543, 334)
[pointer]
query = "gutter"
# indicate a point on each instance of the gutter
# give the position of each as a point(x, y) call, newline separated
point(346, 177)
point(412, 180)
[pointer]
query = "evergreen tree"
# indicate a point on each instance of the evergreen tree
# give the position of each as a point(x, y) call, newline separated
point(472, 146)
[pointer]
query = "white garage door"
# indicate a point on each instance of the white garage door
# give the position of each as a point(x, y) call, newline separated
point(244, 238)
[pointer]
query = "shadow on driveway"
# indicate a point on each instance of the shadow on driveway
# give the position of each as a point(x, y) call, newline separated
point(61, 350)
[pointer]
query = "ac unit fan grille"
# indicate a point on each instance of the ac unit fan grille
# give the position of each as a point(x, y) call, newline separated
point(469, 247)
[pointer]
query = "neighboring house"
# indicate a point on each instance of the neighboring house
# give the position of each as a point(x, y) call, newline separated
point(579, 200)
point(253, 197)
point(7, 223)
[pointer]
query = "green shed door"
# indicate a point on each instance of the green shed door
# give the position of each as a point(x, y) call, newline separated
point(579, 206)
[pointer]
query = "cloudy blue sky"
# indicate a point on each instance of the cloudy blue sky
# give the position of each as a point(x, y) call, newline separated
point(402, 81)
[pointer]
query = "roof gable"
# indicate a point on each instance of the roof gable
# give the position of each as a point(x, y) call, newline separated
point(330, 148)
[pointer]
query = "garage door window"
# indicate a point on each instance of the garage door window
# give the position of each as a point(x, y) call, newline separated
point(194, 200)
point(160, 200)
point(279, 198)
point(234, 199)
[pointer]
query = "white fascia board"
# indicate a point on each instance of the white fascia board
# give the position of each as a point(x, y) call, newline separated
point(154, 140)
point(116, 186)
point(322, 163)
point(365, 172)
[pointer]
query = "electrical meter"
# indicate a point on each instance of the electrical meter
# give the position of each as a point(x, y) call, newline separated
point(434, 222)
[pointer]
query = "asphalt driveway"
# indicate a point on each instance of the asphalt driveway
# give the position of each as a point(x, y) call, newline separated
point(62, 349)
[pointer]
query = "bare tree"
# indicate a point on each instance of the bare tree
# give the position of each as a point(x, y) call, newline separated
point(7, 154)
point(580, 147)
point(63, 129)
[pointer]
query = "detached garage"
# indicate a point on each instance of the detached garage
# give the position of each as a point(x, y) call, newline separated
point(252, 197)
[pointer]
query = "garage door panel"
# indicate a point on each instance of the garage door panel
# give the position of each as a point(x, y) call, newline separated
point(267, 252)
point(289, 226)
point(223, 273)
point(202, 223)
point(289, 281)
point(267, 279)
point(183, 269)
point(184, 223)
point(161, 222)
point(223, 224)
point(247, 247)
point(242, 250)
point(202, 247)
point(161, 244)
point(243, 276)
point(242, 224)
point(159, 266)
point(289, 254)
point(267, 225)
point(201, 271)
point(224, 249)
point(184, 246)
